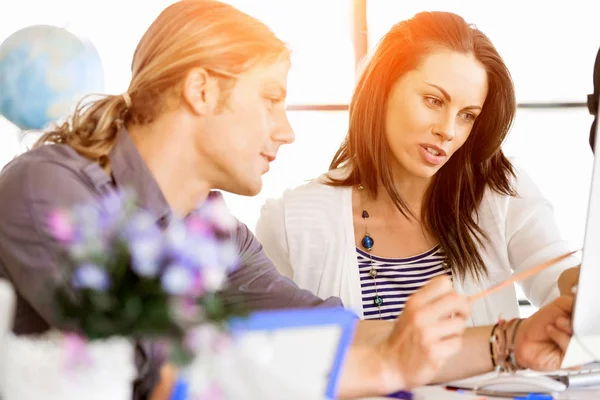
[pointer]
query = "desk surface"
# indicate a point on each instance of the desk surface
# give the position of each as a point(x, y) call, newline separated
point(439, 393)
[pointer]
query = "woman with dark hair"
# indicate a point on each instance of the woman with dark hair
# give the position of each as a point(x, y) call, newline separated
point(420, 187)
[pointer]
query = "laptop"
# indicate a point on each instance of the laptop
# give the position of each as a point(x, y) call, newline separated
point(586, 313)
point(584, 347)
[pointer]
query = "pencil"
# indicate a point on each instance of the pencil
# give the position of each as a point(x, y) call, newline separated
point(519, 277)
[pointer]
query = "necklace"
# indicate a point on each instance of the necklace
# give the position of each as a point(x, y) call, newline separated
point(367, 243)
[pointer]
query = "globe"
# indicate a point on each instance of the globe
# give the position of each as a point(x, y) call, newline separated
point(44, 71)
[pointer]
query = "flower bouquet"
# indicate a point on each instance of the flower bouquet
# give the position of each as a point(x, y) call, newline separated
point(127, 279)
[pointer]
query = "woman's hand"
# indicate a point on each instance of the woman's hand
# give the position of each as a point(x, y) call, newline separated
point(542, 339)
point(427, 334)
point(567, 280)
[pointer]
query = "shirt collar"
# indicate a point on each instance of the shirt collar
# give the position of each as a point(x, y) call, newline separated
point(129, 170)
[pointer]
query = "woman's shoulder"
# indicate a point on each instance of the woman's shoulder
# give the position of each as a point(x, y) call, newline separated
point(316, 190)
point(313, 199)
point(521, 182)
point(499, 210)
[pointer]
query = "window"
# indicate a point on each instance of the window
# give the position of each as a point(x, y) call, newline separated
point(552, 146)
point(318, 136)
point(549, 47)
point(319, 34)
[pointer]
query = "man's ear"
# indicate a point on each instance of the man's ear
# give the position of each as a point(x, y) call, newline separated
point(200, 91)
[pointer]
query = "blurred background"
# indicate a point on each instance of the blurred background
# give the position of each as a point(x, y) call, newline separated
point(549, 47)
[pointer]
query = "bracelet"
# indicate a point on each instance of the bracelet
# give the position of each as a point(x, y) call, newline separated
point(491, 340)
point(503, 351)
point(513, 358)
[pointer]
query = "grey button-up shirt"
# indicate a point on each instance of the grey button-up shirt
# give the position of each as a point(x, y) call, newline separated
point(53, 176)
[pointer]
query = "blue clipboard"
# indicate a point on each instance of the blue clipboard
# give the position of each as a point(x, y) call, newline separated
point(296, 318)
point(288, 319)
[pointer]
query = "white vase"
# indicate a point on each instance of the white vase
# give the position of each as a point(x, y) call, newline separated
point(42, 367)
point(7, 306)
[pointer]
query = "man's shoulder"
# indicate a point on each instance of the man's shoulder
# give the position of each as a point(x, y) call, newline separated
point(50, 156)
point(50, 175)
point(247, 243)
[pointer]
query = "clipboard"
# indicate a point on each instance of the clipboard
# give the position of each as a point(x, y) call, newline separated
point(304, 323)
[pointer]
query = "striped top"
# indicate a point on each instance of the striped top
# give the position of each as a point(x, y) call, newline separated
point(397, 279)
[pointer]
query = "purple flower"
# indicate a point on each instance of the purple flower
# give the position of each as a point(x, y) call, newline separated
point(88, 222)
point(198, 287)
point(141, 224)
point(189, 249)
point(176, 235)
point(77, 353)
point(145, 242)
point(215, 211)
point(198, 226)
point(197, 254)
point(177, 280)
point(213, 278)
point(113, 214)
point(146, 254)
point(91, 276)
point(61, 226)
point(186, 309)
point(118, 204)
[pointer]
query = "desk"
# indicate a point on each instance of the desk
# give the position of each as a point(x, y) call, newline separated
point(439, 393)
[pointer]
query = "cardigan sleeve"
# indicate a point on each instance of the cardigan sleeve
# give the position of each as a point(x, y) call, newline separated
point(270, 231)
point(533, 237)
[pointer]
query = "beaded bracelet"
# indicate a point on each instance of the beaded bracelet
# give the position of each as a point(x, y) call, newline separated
point(503, 350)
point(491, 340)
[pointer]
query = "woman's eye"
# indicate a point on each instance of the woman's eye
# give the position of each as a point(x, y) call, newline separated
point(434, 101)
point(467, 116)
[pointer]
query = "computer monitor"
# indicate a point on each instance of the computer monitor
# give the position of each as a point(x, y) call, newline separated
point(586, 313)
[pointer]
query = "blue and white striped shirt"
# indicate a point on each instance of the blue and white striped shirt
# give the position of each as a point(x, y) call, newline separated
point(397, 279)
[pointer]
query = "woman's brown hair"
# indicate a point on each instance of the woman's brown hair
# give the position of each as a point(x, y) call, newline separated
point(187, 34)
point(451, 203)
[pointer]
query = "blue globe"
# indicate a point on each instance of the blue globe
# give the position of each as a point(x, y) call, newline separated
point(44, 71)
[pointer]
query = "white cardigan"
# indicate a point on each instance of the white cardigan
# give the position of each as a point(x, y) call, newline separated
point(309, 235)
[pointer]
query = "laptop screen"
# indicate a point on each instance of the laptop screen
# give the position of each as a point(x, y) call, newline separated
point(586, 318)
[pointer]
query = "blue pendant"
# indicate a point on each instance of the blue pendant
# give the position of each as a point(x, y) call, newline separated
point(367, 242)
point(378, 301)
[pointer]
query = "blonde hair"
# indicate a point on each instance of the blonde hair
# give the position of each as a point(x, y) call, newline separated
point(187, 34)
